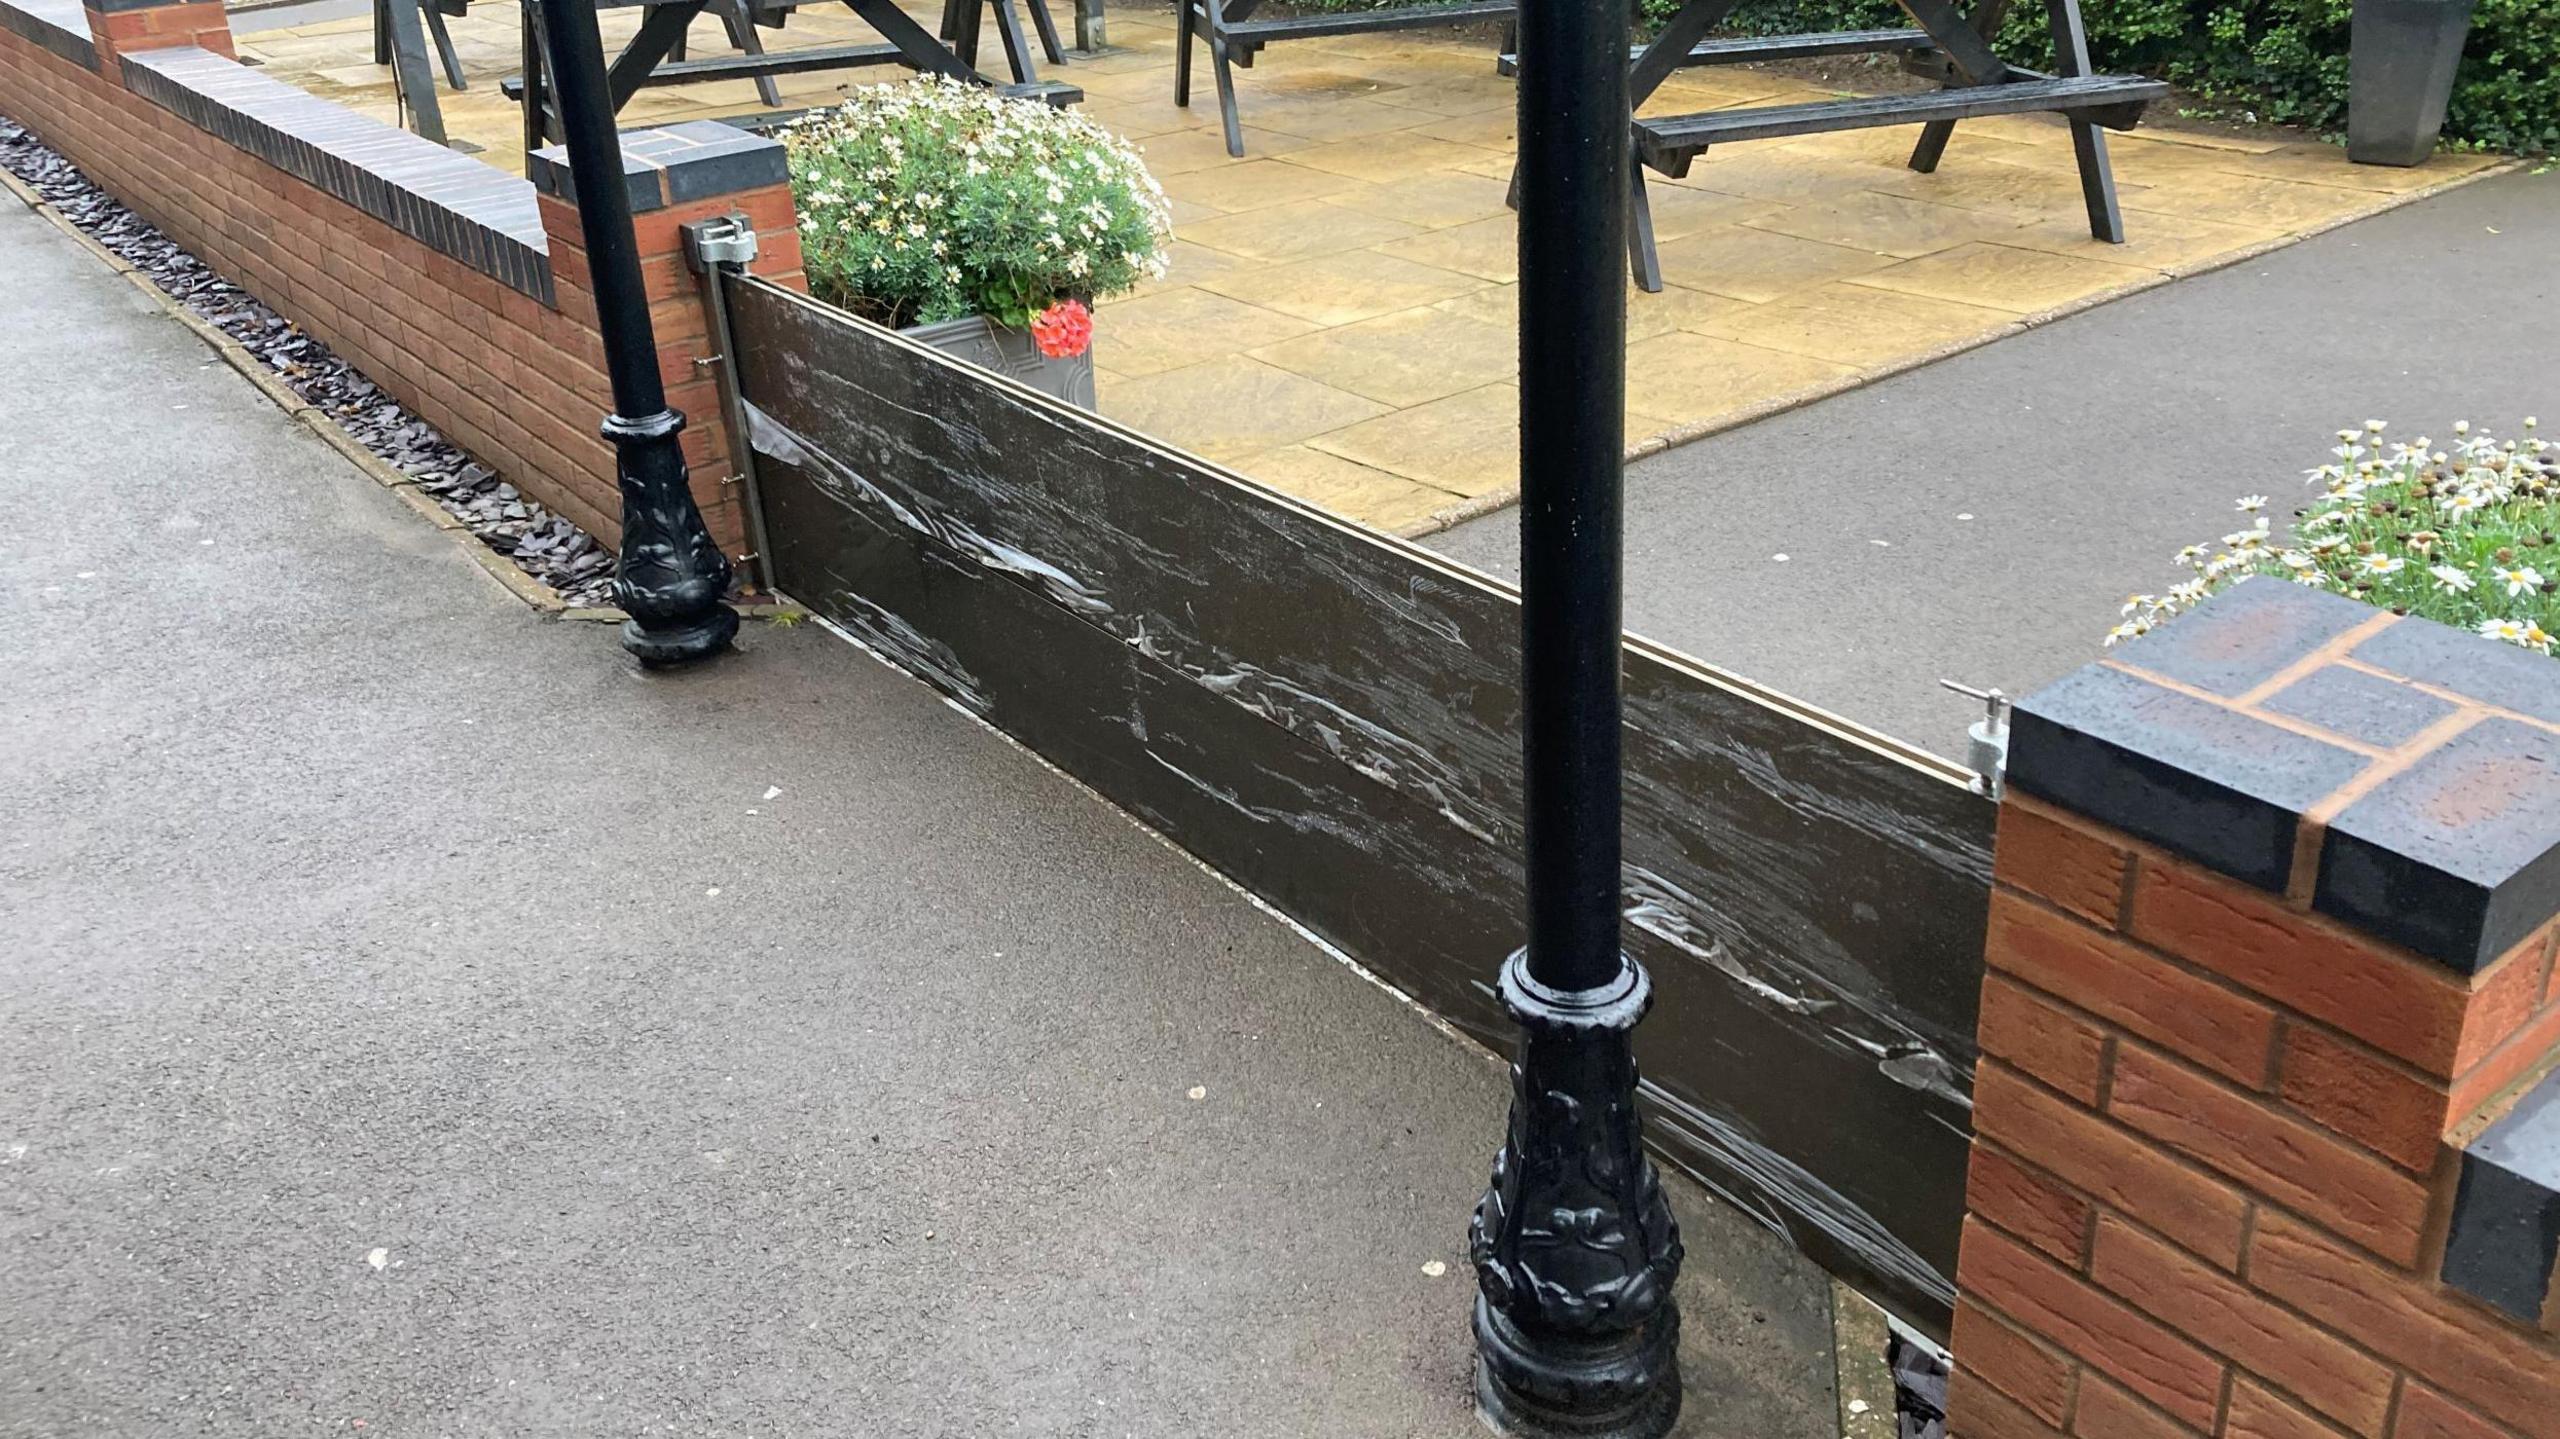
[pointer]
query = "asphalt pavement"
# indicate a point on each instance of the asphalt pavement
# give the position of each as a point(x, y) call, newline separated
point(416, 1020)
point(1981, 519)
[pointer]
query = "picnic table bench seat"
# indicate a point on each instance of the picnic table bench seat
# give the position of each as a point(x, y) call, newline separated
point(1944, 44)
point(1234, 36)
point(1669, 144)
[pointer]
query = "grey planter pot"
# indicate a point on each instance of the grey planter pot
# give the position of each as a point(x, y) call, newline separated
point(2401, 61)
point(1011, 353)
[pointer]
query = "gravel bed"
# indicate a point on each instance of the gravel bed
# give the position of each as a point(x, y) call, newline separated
point(542, 544)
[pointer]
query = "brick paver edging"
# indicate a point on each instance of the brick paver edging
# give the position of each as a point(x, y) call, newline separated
point(2267, 1136)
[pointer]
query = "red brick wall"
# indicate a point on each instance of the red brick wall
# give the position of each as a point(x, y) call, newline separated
point(515, 381)
point(201, 23)
point(2212, 1180)
point(681, 323)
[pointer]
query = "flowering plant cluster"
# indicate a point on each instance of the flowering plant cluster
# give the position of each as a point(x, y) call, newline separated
point(2468, 535)
point(931, 200)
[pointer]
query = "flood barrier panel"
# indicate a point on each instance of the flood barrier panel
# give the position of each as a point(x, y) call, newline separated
point(1330, 717)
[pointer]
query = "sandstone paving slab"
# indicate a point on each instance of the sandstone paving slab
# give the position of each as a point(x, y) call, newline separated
point(2005, 277)
point(1186, 325)
point(1411, 155)
point(2256, 201)
point(1488, 249)
point(1404, 358)
point(1235, 406)
point(1689, 379)
point(1886, 224)
point(1759, 265)
point(1372, 197)
point(1344, 288)
point(1431, 202)
point(2160, 242)
point(1857, 325)
point(1254, 184)
point(1467, 443)
point(1387, 501)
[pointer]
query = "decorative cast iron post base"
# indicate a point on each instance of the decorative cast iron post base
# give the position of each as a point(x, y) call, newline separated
point(1575, 1248)
point(672, 578)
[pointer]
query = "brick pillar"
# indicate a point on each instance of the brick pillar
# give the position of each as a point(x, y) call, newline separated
point(679, 173)
point(121, 27)
point(2267, 1135)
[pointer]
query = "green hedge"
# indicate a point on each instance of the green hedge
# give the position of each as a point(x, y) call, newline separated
point(2286, 60)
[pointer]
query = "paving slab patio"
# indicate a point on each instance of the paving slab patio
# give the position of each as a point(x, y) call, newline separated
point(1348, 290)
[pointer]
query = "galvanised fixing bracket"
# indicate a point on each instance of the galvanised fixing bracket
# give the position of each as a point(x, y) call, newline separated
point(722, 240)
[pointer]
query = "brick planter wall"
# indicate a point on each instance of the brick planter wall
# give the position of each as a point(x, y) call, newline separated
point(451, 284)
point(2266, 1140)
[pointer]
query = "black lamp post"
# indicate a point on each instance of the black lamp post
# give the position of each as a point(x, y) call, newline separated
point(1575, 1250)
point(671, 577)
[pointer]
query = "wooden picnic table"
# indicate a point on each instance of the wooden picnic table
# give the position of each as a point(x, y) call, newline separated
point(1947, 46)
point(645, 61)
point(656, 54)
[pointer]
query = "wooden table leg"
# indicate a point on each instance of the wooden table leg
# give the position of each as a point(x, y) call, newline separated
point(742, 33)
point(1048, 31)
point(443, 39)
point(659, 31)
point(916, 43)
point(415, 82)
point(1017, 50)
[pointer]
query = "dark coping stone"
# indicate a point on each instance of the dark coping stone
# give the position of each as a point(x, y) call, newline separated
point(2458, 857)
point(62, 28)
point(2216, 785)
point(2244, 636)
point(446, 200)
point(2506, 1214)
point(2490, 671)
point(548, 169)
point(2360, 706)
point(110, 7)
point(704, 158)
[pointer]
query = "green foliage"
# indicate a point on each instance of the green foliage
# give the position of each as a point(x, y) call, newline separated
point(2463, 535)
point(2282, 60)
point(930, 200)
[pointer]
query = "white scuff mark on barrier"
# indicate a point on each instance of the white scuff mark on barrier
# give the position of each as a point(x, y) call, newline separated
point(1669, 913)
point(913, 650)
point(1370, 748)
point(1916, 1066)
point(770, 436)
point(1774, 1178)
point(1663, 909)
point(995, 554)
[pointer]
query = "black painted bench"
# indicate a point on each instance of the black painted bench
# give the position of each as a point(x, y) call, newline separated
point(1670, 143)
point(1234, 37)
point(646, 60)
point(1948, 46)
point(1740, 50)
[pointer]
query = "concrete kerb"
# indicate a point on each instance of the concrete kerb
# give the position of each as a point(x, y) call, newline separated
point(1858, 1338)
point(536, 595)
point(1501, 499)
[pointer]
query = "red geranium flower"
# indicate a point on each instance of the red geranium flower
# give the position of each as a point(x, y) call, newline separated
point(1064, 330)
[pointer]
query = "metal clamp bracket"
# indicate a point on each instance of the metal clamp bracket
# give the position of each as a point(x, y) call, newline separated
point(721, 240)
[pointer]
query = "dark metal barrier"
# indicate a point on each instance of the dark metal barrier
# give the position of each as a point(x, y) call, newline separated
point(1329, 717)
